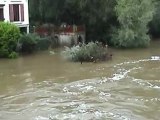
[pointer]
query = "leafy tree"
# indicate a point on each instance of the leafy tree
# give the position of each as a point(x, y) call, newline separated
point(155, 23)
point(133, 16)
point(101, 19)
point(43, 11)
point(97, 15)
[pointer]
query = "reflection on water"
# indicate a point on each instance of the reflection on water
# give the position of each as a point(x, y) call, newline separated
point(46, 87)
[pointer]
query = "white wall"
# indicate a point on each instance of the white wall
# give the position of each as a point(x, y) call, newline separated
point(66, 40)
point(25, 23)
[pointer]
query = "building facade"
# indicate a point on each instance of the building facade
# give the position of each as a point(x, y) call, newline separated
point(15, 11)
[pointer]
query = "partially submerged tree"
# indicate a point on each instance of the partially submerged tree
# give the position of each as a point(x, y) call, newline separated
point(133, 16)
point(91, 52)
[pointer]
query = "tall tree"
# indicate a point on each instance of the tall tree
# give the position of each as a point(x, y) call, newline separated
point(45, 10)
point(155, 23)
point(97, 15)
point(133, 16)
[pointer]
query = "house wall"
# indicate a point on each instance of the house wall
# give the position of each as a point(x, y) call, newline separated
point(70, 39)
point(2, 1)
point(24, 23)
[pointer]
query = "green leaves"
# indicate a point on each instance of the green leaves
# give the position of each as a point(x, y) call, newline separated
point(97, 15)
point(31, 42)
point(9, 35)
point(133, 16)
point(87, 52)
point(28, 43)
point(155, 23)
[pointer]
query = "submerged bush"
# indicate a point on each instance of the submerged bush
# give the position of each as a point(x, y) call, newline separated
point(9, 35)
point(28, 43)
point(87, 52)
point(43, 43)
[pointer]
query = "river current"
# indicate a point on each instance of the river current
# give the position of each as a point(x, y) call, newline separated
point(45, 86)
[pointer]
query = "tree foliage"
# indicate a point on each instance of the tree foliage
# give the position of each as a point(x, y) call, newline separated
point(154, 25)
point(99, 16)
point(133, 17)
point(45, 10)
point(90, 52)
point(9, 35)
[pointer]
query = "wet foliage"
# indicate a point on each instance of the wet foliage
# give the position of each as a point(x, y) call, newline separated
point(91, 52)
point(28, 43)
point(133, 17)
point(9, 35)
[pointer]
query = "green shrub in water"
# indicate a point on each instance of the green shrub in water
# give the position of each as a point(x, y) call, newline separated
point(43, 43)
point(13, 55)
point(28, 43)
point(9, 35)
point(87, 52)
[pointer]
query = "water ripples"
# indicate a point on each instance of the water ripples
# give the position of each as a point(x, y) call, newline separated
point(117, 97)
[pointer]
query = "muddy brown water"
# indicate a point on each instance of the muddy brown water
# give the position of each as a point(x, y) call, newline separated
point(47, 87)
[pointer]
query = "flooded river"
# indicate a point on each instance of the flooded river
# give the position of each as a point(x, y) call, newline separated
point(47, 87)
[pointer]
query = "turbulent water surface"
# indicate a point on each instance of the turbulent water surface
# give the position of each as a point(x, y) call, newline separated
point(46, 87)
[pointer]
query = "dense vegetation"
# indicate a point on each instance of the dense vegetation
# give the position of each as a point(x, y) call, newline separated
point(97, 15)
point(9, 35)
point(12, 42)
point(121, 23)
point(90, 52)
point(154, 25)
point(28, 43)
point(131, 18)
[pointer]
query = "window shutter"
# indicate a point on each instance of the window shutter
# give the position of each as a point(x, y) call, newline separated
point(22, 12)
point(11, 12)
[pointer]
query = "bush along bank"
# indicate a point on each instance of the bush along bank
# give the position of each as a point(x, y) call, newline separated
point(91, 52)
point(9, 35)
point(28, 43)
point(12, 42)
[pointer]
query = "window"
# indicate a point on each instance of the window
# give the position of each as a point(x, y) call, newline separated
point(16, 12)
point(1, 13)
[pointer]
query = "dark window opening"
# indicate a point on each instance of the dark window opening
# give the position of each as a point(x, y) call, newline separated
point(23, 30)
point(16, 12)
point(1, 14)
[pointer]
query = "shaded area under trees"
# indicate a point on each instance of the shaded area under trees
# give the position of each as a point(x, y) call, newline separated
point(99, 16)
